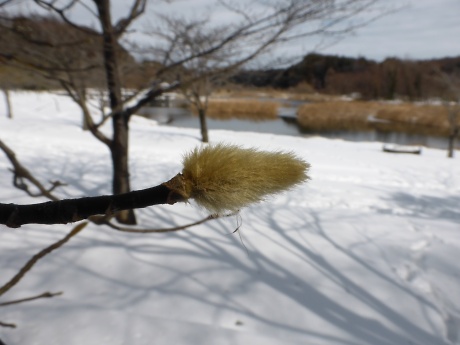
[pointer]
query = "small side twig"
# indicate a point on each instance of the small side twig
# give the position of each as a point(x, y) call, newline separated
point(9, 325)
point(43, 295)
point(21, 173)
point(29, 264)
point(32, 261)
point(176, 228)
point(19, 183)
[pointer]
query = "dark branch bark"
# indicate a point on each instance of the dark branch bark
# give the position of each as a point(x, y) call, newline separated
point(73, 210)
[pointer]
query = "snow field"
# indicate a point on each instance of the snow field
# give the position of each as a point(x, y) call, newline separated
point(365, 253)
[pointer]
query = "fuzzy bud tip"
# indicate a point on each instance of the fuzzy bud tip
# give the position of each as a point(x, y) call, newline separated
point(228, 177)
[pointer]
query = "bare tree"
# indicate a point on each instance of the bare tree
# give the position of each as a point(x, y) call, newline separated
point(255, 29)
point(204, 53)
point(198, 96)
point(71, 58)
point(206, 72)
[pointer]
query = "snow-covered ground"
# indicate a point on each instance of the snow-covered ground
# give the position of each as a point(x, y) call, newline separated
point(367, 252)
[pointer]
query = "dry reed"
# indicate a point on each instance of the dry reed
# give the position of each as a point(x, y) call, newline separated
point(302, 92)
point(226, 109)
point(355, 115)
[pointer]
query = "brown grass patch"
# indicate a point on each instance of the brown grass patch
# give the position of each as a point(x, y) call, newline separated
point(355, 115)
point(226, 109)
point(299, 93)
point(241, 92)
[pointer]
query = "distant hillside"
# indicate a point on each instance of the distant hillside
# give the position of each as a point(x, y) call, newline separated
point(43, 52)
point(40, 52)
point(389, 79)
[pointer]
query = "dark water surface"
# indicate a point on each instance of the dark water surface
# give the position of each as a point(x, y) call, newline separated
point(287, 125)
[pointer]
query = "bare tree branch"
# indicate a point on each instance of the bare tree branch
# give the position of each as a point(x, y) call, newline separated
point(28, 299)
point(8, 325)
point(137, 9)
point(49, 5)
point(79, 97)
point(153, 93)
point(176, 228)
point(29, 264)
point(20, 173)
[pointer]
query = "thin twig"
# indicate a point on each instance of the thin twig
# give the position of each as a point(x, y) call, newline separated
point(4, 324)
point(20, 173)
point(146, 231)
point(32, 261)
point(49, 5)
point(43, 295)
point(176, 228)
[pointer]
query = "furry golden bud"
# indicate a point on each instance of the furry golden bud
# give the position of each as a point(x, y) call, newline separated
point(227, 177)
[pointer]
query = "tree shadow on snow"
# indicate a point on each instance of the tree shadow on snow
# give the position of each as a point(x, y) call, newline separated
point(208, 267)
point(427, 206)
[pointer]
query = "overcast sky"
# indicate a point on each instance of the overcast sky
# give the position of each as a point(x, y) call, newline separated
point(420, 29)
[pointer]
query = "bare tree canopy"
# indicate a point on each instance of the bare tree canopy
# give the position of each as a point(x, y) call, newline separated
point(249, 30)
point(84, 43)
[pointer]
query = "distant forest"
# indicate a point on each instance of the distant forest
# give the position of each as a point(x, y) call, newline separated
point(390, 79)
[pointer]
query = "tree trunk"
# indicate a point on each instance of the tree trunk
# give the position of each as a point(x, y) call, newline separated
point(119, 146)
point(84, 125)
point(119, 152)
point(451, 147)
point(203, 125)
point(9, 112)
point(82, 97)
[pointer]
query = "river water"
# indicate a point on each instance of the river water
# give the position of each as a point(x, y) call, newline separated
point(287, 125)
